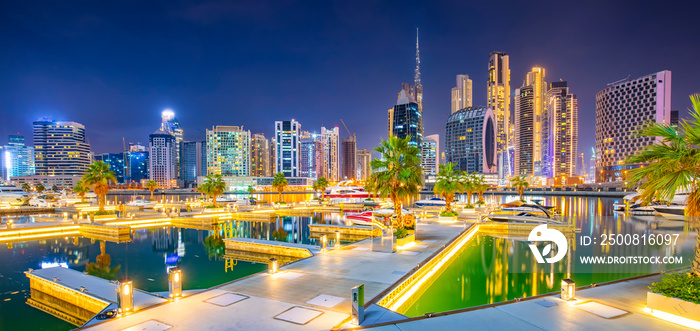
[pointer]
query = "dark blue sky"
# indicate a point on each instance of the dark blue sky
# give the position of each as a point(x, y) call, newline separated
point(114, 66)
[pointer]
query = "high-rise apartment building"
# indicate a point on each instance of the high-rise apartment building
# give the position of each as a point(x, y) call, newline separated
point(364, 167)
point(470, 140)
point(60, 148)
point(170, 124)
point(621, 109)
point(311, 160)
point(498, 99)
point(228, 151)
point(562, 142)
point(330, 139)
point(116, 163)
point(137, 161)
point(349, 158)
point(531, 125)
point(193, 162)
point(16, 158)
point(462, 93)
point(407, 119)
point(162, 161)
point(259, 156)
point(430, 152)
point(287, 147)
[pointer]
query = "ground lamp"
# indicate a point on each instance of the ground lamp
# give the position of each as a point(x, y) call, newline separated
point(358, 304)
point(568, 289)
point(273, 265)
point(324, 238)
point(337, 239)
point(175, 283)
point(125, 297)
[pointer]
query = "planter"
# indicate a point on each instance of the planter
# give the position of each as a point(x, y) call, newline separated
point(405, 240)
point(411, 231)
point(673, 306)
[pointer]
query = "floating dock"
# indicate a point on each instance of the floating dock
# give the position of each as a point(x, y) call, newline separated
point(347, 232)
point(271, 248)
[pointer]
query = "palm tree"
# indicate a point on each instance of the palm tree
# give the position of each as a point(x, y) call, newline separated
point(671, 165)
point(213, 186)
point(398, 172)
point(320, 185)
point(26, 187)
point(39, 187)
point(469, 186)
point(55, 188)
point(481, 187)
point(251, 190)
point(151, 185)
point(448, 182)
point(279, 183)
point(98, 177)
point(81, 190)
point(520, 183)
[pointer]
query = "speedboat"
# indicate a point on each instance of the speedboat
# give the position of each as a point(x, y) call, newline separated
point(225, 199)
point(675, 210)
point(627, 199)
point(363, 218)
point(519, 212)
point(389, 212)
point(45, 200)
point(519, 206)
point(346, 194)
point(433, 202)
point(141, 203)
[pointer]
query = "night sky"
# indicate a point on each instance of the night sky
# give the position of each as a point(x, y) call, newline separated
point(114, 66)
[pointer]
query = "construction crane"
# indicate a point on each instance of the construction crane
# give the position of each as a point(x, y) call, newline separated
point(346, 128)
point(126, 163)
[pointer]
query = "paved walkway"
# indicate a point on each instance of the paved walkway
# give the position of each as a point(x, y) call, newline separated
point(320, 284)
point(551, 313)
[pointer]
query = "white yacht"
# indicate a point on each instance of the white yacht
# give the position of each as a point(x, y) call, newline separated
point(142, 203)
point(675, 210)
point(433, 202)
point(14, 196)
point(347, 193)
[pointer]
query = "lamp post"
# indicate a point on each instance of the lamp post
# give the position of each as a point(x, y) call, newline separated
point(175, 283)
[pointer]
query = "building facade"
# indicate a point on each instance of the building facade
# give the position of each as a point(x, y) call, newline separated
point(287, 147)
point(170, 124)
point(531, 126)
point(621, 109)
point(193, 162)
point(60, 148)
point(330, 168)
point(461, 93)
point(364, 166)
point(311, 156)
point(228, 151)
point(162, 161)
point(349, 159)
point(430, 152)
point(470, 140)
point(562, 108)
point(407, 119)
point(259, 156)
point(498, 99)
point(16, 158)
point(117, 163)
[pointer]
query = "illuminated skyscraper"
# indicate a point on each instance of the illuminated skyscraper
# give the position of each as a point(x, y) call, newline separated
point(60, 148)
point(462, 93)
point(429, 152)
point(621, 109)
point(331, 154)
point(562, 109)
point(228, 151)
point(407, 119)
point(170, 124)
point(193, 162)
point(470, 136)
point(349, 159)
point(259, 156)
point(364, 168)
point(162, 160)
point(531, 125)
point(287, 147)
point(16, 159)
point(311, 162)
point(498, 99)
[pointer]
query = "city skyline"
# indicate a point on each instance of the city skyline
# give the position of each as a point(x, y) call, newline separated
point(116, 93)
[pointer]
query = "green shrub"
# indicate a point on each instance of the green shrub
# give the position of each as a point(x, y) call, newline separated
point(469, 206)
point(401, 233)
point(106, 212)
point(369, 199)
point(282, 203)
point(681, 285)
point(451, 213)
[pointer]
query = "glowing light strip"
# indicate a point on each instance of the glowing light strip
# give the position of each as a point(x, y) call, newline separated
point(673, 318)
point(455, 248)
point(407, 246)
point(39, 236)
point(135, 222)
point(41, 229)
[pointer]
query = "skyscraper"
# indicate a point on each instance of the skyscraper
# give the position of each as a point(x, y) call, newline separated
point(259, 156)
point(287, 147)
point(60, 148)
point(531, 125)
point(117, 164)
point(331, 153)
point(498, 99)
point(430, 151)
point(349, 158)
point(364, 168)
point(416, 89)
point(193, 162)
point(138, 162)
point(16, 159)
point(228, 151)
point(311, 157)
point(562, 109)
point(470, 140)
point(162, 161)
point(621, 109)
point(170, 124)
point(407, 119)
point(462, 93)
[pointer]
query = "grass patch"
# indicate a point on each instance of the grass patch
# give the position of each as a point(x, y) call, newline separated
point(449, 214)
point(401, 233)
point(106, 212)
point(681, 285)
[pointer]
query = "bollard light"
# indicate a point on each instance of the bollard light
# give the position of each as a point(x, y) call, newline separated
point(65, 215)
point(568, 289)
point(358, 304)
point(337, 239)
point(175, 283)
point(125, 297)
point(324, 239)
point(273, 265)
